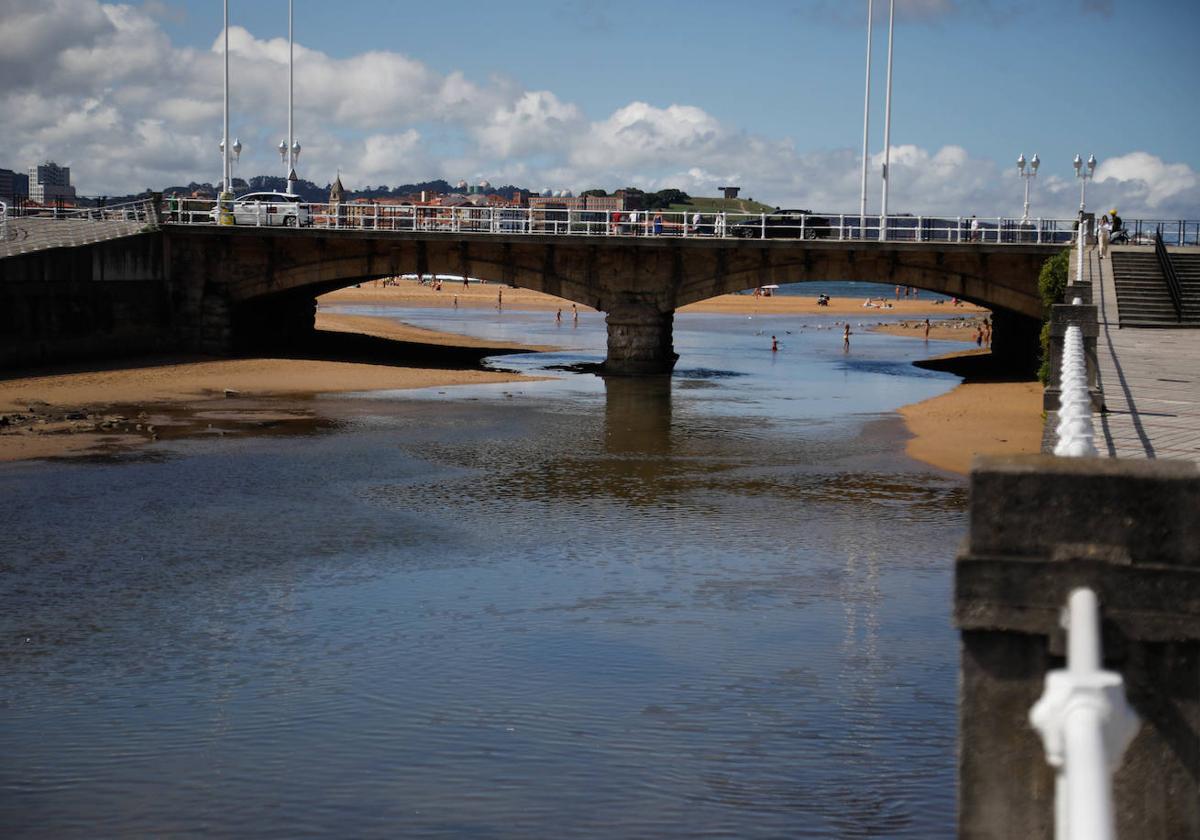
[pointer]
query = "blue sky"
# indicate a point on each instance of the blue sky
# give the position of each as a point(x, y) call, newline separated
point(556, 94)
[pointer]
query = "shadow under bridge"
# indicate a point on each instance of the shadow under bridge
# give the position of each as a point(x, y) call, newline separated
point(249, 283)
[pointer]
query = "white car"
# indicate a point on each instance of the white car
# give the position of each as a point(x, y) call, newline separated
point(268, 208)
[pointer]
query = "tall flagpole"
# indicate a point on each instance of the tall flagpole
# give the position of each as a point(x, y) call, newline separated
point(226, 169)
point(291, 184)
point(862, 202)
point(887, 125)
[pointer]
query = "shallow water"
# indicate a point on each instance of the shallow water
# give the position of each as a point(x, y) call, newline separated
point(710, 606)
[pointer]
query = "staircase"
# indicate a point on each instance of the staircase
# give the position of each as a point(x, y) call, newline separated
point(1142, 296)
point(1187, 269)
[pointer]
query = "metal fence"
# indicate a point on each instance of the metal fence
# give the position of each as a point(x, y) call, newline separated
point(35, 228)
point(666, 223)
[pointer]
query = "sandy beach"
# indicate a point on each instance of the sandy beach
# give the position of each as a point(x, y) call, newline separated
point(488, 295)
point(65, 411)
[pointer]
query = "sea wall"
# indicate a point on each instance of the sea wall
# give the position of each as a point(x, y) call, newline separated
point(103, 299)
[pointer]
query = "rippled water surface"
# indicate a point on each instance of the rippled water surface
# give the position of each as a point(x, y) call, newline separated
point(714, 606)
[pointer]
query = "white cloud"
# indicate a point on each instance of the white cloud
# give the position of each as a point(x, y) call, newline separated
point(126, 108)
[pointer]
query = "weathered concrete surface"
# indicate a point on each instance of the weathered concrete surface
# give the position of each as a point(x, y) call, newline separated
point(631, 278)
point(106, 298)
point(1039, 527)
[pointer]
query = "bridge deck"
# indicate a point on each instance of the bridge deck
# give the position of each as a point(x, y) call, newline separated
point(1151, 381)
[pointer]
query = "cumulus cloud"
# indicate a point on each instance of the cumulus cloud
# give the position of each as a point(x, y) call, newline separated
point(126, 109)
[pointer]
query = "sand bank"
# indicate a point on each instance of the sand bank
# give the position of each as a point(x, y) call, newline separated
point(988, 414)
point(67, 412)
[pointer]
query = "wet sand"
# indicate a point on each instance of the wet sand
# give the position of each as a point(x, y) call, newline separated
point(66, 411)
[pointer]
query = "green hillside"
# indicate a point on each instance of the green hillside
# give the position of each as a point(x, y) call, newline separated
point(718, 205)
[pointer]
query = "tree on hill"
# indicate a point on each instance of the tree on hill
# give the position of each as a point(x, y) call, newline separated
point(597, 193)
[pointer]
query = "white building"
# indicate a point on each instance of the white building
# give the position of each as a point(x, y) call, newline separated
point(49, 181)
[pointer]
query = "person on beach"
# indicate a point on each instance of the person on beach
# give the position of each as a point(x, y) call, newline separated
point(926, 329)
point(987, 332)
point(500, 298)
point(979, 336)
point(1102, 233)
point(558, 316)
point(574, 315)
point(456, 301)
point(774, 344)
point(846, 337)
point(466, 282)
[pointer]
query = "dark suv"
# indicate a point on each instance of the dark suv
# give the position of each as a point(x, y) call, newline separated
point(784, 224)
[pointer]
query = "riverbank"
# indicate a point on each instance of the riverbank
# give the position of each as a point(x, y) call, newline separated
point(66, 411)
point(989, 413)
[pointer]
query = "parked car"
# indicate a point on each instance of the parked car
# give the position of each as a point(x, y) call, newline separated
point(268, 208)
point(784, 224)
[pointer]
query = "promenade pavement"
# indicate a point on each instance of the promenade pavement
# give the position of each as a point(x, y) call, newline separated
point(1150, 378)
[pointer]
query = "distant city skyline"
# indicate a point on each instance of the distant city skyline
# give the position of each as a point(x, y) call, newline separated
point(574, 95)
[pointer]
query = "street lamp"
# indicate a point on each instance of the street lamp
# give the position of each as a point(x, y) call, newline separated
point(1083, 176)
point(1028, 175)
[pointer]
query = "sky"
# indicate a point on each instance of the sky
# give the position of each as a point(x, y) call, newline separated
point(575, 94)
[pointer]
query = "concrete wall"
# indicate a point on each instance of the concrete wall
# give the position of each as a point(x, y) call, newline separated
point(107, 299)
point(1039, 527)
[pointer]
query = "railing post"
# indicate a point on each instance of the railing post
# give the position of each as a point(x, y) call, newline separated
point(803, 219)
point(919, 229)
point(1039, 230)
point(958, 230)
point(841, 226)
point(762, 221)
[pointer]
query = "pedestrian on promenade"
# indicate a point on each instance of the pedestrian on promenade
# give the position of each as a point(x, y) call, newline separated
point(633, 221)
point(696, 223)
point(658, 226)
point(616, 222)
point(719, 224)
point(1102, 234)
point(974, 229)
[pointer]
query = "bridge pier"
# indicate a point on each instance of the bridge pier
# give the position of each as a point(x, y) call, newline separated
point(639, 340)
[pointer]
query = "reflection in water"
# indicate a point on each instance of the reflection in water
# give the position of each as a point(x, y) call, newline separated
point(637, 415)
point(690, 607)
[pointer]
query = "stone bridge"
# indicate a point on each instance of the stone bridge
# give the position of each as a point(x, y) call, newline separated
point(223, 289)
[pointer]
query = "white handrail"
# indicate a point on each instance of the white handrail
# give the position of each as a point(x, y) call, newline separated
point(3, 222)
point(1086, 726)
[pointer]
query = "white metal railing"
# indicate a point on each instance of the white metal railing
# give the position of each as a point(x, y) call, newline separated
point(1075, 431)
point(3, 222)
point(667, 223)
point(1086, 725)
point(36, 228)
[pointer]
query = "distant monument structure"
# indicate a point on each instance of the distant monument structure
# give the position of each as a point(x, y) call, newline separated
point(730, 192)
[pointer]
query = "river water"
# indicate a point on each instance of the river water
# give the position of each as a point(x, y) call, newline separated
point(715, 605)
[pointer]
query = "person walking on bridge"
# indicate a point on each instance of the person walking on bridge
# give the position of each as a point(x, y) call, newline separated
point(1102, 233)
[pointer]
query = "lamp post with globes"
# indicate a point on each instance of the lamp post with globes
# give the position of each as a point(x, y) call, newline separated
point(1083, 175)
point(1027, 175)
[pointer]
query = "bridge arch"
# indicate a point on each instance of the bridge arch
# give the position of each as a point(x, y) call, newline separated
point(638, 281)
